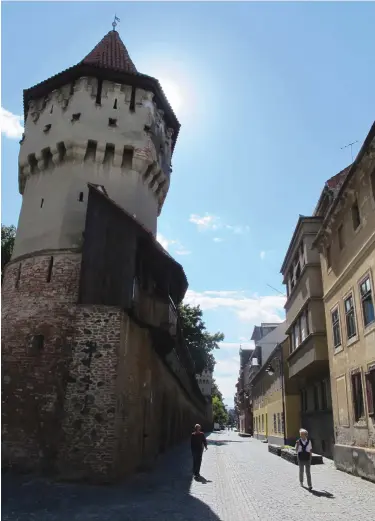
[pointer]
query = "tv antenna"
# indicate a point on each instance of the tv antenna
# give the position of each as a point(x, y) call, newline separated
point(351, 148)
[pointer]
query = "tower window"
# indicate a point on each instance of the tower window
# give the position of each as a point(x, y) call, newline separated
point(132, 100)
point(91, 150)
point(127, 158)
point(51, 110)
point(112, 122)
point(98, 100)
point(33, 163)
point(37, 342)
point(72, 85)
point(80, 197)
point(47, 157)
point(109, 154)
point(18, 278)
point(62, 150)
point(41, 203)
point(75, 117)
point(47, 128)
point(115, 104)
point(50, 267)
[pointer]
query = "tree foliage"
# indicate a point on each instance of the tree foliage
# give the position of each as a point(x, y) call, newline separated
point(219, 411)
point(199, 341)
point(8, 234)
point(216, 391)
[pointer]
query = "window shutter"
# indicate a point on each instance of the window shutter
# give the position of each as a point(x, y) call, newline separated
point(369, 391)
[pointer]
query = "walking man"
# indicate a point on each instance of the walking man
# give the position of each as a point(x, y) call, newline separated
point(304, 454)
point(198, 441)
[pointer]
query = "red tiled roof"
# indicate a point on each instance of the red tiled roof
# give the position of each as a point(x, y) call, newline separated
point(111, 53)
point(337, 180)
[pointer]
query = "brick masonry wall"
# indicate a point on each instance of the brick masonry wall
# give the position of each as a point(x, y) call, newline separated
point(96, 401)
point(33, 379)
point(89, 448)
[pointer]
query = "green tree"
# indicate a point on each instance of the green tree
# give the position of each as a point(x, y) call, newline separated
point(8, 234)
point(215, 390)
point(199, 341)
point(219, 412)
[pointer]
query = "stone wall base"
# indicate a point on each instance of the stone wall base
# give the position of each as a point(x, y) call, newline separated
point(359, 461)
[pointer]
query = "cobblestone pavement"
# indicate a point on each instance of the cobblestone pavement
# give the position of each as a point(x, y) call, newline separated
point(243, 482)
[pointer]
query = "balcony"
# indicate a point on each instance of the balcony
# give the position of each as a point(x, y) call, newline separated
point(310, 358)
point(154, 311)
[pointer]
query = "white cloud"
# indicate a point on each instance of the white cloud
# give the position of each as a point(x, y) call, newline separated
point(213, 222)
point(11, 124)
point(182, 251)
point(206, 222)
point(262, 254)
point(218, 239)
point(178, 248)
point(254, 309)
point(163, 241)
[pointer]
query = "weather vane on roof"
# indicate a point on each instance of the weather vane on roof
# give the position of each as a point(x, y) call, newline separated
point(114, 23)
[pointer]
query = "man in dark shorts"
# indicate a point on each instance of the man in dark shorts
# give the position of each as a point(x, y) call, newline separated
point(198, 442)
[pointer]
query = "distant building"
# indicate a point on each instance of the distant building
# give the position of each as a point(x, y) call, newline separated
point(346, 241)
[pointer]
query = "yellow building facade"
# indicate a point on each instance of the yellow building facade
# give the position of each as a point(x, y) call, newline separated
point(347, 245)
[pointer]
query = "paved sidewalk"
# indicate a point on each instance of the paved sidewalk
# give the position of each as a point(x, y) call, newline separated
point(243, 482)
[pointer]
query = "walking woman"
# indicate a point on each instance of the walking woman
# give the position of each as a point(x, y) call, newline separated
point(198, 441)
point(304, 453)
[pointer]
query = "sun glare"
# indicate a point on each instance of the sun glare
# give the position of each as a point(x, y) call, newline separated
point(173, 93)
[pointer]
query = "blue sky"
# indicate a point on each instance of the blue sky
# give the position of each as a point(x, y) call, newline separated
point(267, 94)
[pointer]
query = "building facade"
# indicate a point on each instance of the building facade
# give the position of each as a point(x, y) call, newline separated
point(346, 241)
point(305, 318)
point(97, 380)
point(205, 381)
point(275, 398)
point(242, 396)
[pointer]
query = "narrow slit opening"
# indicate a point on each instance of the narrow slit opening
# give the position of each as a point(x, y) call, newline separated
point(115, 104)
point(41, 203)
point(80, 197)
point(49, 272)
point(33, 163)
point(132, 100)
point(98, 100)
point(47, 157)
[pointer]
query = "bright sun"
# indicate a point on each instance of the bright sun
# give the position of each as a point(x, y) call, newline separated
point(173, 93)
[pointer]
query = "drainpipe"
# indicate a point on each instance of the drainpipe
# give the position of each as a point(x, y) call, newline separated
point(282, 389)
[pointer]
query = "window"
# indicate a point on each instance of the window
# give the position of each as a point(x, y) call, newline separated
point(300, 329)
point(357, 396)
point(278, 423)
point(274, 423)
point(37, 342)
point(304, 326)
point(336, 328)
point(80, 197)
point(316, 398)
point(372, 182)
point(367, 302)
point(132, 100)
point(41, 203)
point(340, 235)
point(112, 122)
point(328, 257)
point(323, 394)
point(351, 328)
point(356, 217)
point(98, 100)
point(49, 272)
point(370, 390)
point(262, 422)
point(76, 116)
point(115, 104)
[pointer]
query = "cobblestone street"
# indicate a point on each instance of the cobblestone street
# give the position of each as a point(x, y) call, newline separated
point(242, 481)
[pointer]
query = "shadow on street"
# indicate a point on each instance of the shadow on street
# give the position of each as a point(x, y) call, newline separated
point(161, 494)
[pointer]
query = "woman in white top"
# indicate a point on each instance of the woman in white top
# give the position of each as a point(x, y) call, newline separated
point(304, 454)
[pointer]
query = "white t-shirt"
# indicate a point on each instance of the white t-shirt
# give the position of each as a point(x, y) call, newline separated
point(308, 446)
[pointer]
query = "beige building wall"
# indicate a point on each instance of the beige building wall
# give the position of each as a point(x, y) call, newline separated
point(352, 259)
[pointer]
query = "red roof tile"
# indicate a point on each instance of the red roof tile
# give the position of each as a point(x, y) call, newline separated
point(111, 53)
point(337, 180)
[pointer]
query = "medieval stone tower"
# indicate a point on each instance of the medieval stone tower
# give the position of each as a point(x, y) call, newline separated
point(66, 395)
